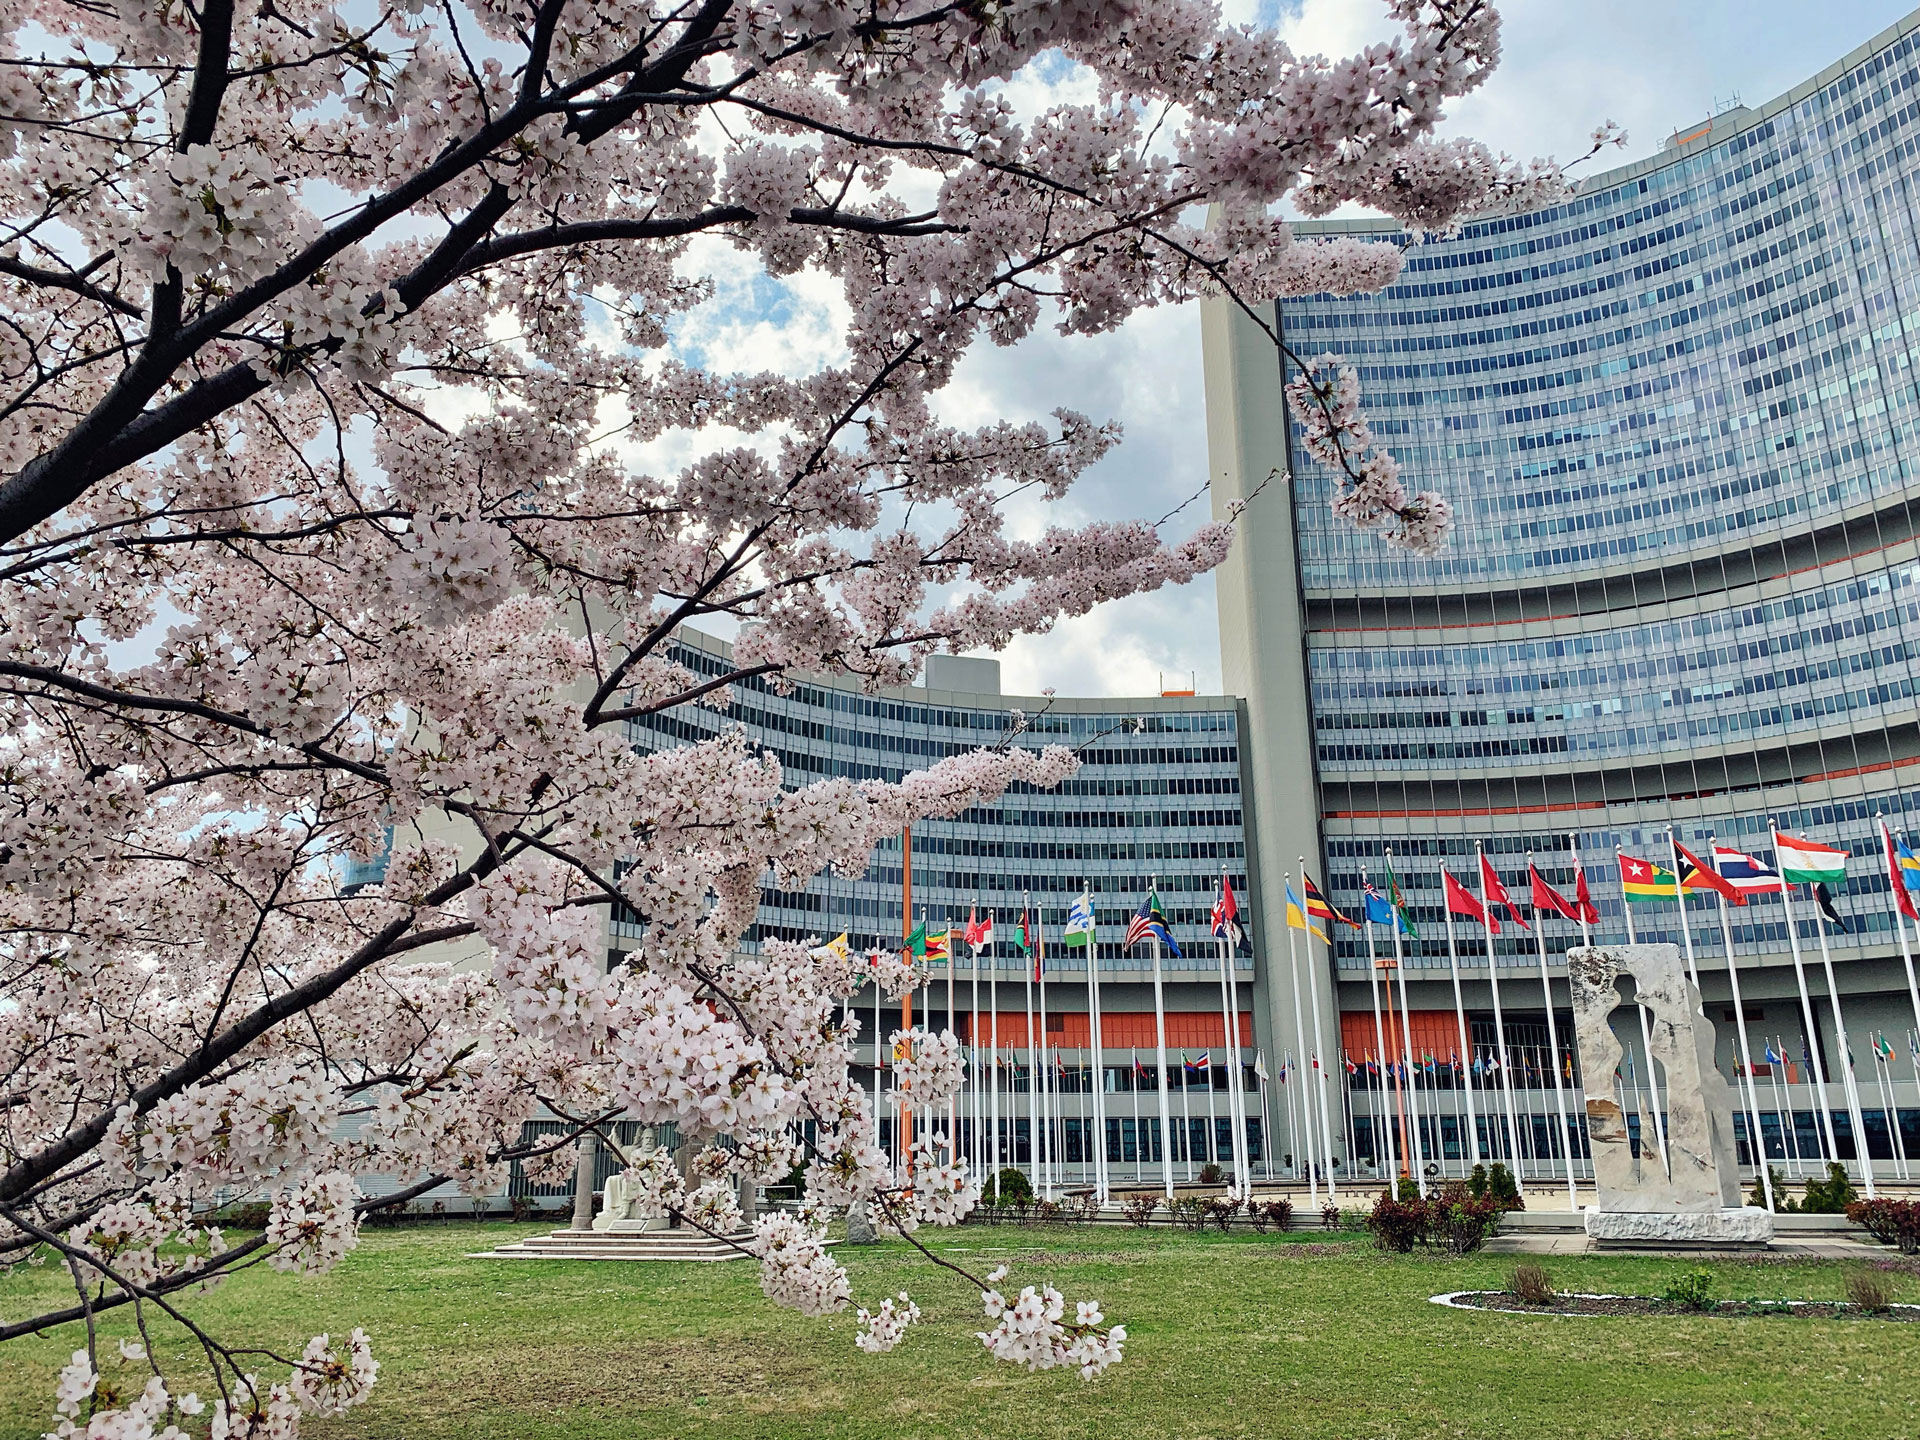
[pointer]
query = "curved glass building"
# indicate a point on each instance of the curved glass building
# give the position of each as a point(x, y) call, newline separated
point(1676, 418)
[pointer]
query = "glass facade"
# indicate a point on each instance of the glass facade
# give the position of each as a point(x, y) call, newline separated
point(1675, 416)
point(1157, 802)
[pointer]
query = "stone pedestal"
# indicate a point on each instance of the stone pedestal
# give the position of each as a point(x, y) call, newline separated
point(1746, 1228)
point(859, 1226)
point(583, 1182)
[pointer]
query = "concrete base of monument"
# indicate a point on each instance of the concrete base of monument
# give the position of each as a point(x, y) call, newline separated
point(1747, 1228)
point(623, 1244)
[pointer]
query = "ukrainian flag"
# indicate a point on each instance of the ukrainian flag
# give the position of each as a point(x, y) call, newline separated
point(1296, 917)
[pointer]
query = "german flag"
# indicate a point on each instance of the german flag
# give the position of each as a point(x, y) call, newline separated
point(1317, 906)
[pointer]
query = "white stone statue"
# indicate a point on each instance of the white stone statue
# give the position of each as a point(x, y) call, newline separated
point(1695, 1198)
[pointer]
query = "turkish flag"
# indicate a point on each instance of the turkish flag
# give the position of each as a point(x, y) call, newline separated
point(1460, 901)
point(1547, 899)
point(1497, 893)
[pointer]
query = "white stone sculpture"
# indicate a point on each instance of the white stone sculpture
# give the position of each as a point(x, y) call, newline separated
point(1694, 1199)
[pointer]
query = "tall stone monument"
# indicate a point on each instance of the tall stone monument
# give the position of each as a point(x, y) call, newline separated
point(1692, 1200)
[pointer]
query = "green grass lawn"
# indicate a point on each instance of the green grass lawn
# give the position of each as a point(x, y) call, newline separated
point(1228, 1336)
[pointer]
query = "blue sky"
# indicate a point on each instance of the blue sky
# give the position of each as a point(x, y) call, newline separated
point(1652, 65)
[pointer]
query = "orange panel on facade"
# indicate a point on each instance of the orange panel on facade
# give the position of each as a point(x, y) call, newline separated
point(1435, 1033)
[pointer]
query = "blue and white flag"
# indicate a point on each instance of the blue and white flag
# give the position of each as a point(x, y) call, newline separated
point(1079, 929)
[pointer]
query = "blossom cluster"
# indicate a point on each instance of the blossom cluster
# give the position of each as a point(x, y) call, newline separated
point(928, 1067)
point(1033, 1331)
point(1325, 401)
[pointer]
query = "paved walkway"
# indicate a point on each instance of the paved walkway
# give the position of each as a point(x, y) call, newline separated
point(1572, 1242)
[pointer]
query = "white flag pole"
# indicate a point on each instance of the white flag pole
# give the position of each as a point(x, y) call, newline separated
point(1186, 1118)
point(1680, 898)
point(1586, 938)
point(1033, 1078)
point(1414, 1146)
point(1237, 1072)
point(1266, 1131)
point(1305, 1152)
point(1553, 1042)
point(1886, 1099)
point(1823, 1119)
point(1048, 1102)
point(1646, 1035)
point(1906, 950)
point(1160, 1061)
point(973, 1063)
point(1757, 1136)
point(1100, 1181)
point(1849, 1084)
point(1789, 1142)
point(993, 1090)
point(1466, 1040)
point(1226, 1066)
point(1319, 1042)
point(1212, 1155)
point(1499, 1018)
point(1379, 1037)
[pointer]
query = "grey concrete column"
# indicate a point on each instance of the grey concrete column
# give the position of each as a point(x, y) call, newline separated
point(583, 1182)
point(749, 1202)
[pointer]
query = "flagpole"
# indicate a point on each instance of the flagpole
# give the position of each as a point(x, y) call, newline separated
point(1586, 938)
point(1460, 1019)
point(1033, 1078)
point(1646, 1035)
point(1226, 1065)
point(1101, 1184)
point(1044, 1079)
point(1319, 1043)
point(993, 1089)
point(973, 1062)
point(1680, 897)
point(1237, 1072)
point(1213, 1127)
point(1906, 951)
point(1553, 1043)
point(1821, 1113)
point(1408, 1095)
point(1789, 1142)
point(1346, 1099)
point(1160, 1060)
point(1300, 1036)
point(879, 1055)
point(1758, 1136)
point(1499, 1019)
point(1849, 1087)
point(1186, 1118)
point(1886, 1099)
point(1266, 1130)
point(1379, 1030)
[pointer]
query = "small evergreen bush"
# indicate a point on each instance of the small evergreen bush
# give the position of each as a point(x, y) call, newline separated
point(1692, 1290)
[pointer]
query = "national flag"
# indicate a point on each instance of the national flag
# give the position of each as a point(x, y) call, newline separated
point(1643, 882)
point(1260, 1067)
point(834, 949)
point(1226, 915)
point(1696, 876)
point(1399, 902)
point(1566, 1064)
point(1748, 874)
point(1583, 899)
point(1296, 917)
point(1772, 1056)
point(1352, 1069)
point(1027, 929)
point(1200, 1066)
point(1149, 922)
point(1807, 862)
point(1461, 901)
point(1139, 1071)
point(902, 1050)
point(1496, 892)
point(936, 947)
point(1317, 906)
point(1547, 900)
point(1079, 928)
point(1380, 910)
point(1909, 864)
point(1823, 897)
point(1453, 1061)
point(1883, 1048)
point(979, 935)
point(1899, 876)
point(1373, 1066)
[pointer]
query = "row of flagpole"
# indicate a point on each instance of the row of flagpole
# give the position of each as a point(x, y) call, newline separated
point(1732, 875)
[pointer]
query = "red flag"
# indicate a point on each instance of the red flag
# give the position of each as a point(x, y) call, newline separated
point(1497, 893)
point(1588, 912)
point(1460, 901)
point(1894, 878)
point(1547, 899)
point(1695, 876)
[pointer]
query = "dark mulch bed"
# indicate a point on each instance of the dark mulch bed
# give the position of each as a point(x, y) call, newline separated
point(1652, 1305)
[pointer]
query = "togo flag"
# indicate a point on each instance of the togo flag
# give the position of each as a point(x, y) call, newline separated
point(1804, 862)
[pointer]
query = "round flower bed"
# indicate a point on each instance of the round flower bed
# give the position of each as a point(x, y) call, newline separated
point(1584, 1305)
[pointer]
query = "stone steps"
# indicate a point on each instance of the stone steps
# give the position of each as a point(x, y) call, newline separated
point(684, 1244)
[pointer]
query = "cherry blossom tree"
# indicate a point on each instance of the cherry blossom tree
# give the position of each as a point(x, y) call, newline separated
point(353, 485)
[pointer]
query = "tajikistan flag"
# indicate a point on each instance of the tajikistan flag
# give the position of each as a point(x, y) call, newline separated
point(1803, 862)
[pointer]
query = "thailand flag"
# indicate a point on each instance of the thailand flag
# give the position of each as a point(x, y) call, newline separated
point(1745, 873)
